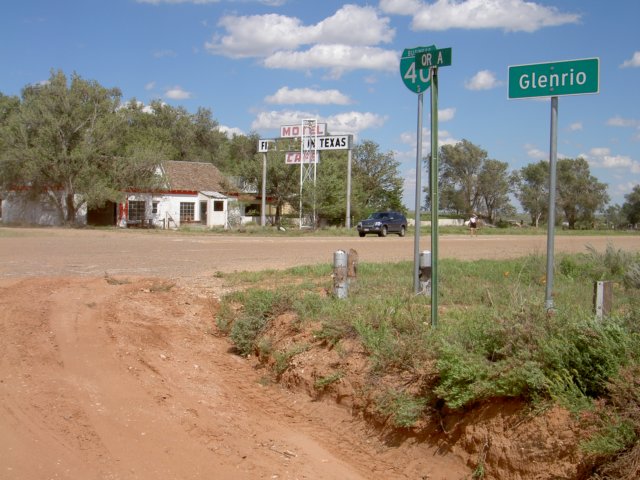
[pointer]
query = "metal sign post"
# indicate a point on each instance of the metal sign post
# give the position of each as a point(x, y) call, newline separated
point(434, 196)
point(567, 77)
point(416, 237)
point(432, 60)
point(553, 159)
point(415, 80)
point(263, 146)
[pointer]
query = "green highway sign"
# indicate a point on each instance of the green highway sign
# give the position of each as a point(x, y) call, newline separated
point(434, 58)
point(415, 80)
point(569, 77)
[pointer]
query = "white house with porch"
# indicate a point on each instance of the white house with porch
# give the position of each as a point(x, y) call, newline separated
point(191, 197)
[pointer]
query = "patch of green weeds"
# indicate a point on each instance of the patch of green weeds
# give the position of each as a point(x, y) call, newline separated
point(323, 382)
point(283, 358)
point(402, 409)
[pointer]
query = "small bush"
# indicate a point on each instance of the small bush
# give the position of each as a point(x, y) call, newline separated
point(283, 358)
point(323, 382)
point(402, 409)
point(259, 307)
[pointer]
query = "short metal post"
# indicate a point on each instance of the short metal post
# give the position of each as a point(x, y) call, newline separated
point(340, 283)
point(602, 298)
point(425, 273)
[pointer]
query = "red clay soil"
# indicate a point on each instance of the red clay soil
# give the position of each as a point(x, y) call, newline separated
point(123, 376)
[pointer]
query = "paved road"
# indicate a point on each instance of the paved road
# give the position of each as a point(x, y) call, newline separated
point(60, 252)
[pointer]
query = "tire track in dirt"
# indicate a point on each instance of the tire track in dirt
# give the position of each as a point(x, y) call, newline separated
point(125, 381)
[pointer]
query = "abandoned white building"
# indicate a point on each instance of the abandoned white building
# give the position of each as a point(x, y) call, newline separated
point(191, 196)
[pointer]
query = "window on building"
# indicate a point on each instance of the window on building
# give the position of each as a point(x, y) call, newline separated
point(218, 206)
point(252, 210)
point(187, 211)
point(154, 207)
point(137, 210)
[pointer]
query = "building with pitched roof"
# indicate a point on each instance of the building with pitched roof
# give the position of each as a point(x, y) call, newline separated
point(192, 193)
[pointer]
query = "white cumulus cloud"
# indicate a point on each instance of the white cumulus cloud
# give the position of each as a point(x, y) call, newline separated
point(338, 58)
point(400, 7)
point(483, 80)
point(287, 95)
point(343, 123)
point(576, 126)
point(230, 131)
point(634, 61)
point(263, 35)
point(446, 114)
point(535, 153)
point(177, 93)
point(618, 121)
point(602, 157)
point(508, 15)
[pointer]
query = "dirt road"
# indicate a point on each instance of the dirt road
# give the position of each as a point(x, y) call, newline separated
point(123, 377)
point(47, 252)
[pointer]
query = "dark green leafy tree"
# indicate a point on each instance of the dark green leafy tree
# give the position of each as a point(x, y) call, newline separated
point(377, 176)
point(65, 142)
point(461, 167)
point(331, 188)
point(579, 194)
point(533, 191)
point(178, 133)
point(283, 181)
point(494, 186)
point(614, 217)
point(631, 206)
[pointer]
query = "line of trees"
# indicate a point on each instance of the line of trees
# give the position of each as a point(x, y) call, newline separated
point(76, 143)
point(471, 182)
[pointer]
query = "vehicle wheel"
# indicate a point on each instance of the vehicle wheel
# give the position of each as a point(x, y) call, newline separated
point(361, 234)
point(383, 232)
point(402, 232)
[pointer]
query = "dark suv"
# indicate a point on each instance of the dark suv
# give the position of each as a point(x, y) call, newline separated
point(383, 223)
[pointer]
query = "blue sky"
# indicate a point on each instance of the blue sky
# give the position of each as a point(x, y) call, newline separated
point(259, 64)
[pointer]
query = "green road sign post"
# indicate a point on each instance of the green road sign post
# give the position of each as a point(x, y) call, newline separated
point(568, 77)
point(415, 80)
point(413, 65)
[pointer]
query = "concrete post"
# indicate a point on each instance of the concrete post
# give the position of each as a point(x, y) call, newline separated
point(340, 282)
point(602, 298)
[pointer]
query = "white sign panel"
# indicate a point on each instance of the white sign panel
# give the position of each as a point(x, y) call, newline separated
point(263, 145)
point(295, 158)
point(332, 142)
point(293, 131)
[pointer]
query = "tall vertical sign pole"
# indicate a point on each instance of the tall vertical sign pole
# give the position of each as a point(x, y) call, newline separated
point(417, 81)
point(416, 238)
point(584, 78)
point(551, 223)
point(263, 214)
point(434, 196)
point(347, 220)
point(430, 60)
